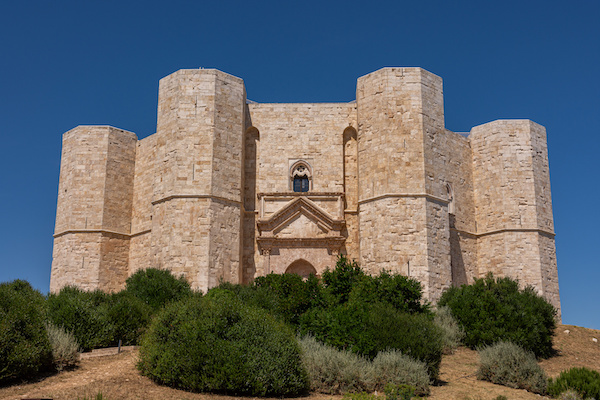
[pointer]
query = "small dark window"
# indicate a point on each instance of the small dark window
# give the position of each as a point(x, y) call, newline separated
point(301, 184)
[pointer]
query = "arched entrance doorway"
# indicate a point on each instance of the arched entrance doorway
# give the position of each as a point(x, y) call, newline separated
point(302, 268)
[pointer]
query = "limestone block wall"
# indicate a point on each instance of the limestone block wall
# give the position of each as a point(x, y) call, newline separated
point(280, 135)
point(94, 208)
point(311, 132)
point(140, 256)
point(393, 237)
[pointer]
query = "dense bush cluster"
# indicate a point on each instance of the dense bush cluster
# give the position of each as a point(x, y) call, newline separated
point(157, 287)
point(350, 310)
point(581, 381)
point(98, 319)
point(24, 345)
point(492, 310)
point(219, 344)
point(507, 364)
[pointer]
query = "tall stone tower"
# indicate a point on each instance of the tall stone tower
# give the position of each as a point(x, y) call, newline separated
point(512, 203)
point(400, 113)
point(93, 217)
point(177, 207)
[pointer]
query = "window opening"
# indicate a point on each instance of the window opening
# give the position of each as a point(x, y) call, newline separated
point(301, 178)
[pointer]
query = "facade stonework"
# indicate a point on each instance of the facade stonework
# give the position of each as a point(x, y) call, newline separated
point(228, 190)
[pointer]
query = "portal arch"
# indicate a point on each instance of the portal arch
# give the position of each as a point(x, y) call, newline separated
point(301, 267)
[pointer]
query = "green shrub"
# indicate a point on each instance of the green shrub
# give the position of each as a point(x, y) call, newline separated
point(399, 291)
point(367, 329)
point(452, 333)
point(334, 371)
point(584, 381)
point(24, 345)
point(508, 364)
point(492, 310)
point(360, 396)
point(157, 287)
point(286, 296)
point(65, 349)
point(340, 282)
point(84, 314)
point(396, 373)
point(216, 343)
point(399, 392)
point(129, 316)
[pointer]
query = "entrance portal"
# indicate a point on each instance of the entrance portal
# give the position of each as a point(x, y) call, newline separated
point(302, 268)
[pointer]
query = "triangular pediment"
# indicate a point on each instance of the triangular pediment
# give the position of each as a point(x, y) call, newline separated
point(300, 218)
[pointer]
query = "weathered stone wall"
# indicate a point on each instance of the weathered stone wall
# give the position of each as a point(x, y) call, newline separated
point(280, 135)
point(140, 255)
point(180, 238)
point(393, 236)
point(76, 261)
point(310, 132)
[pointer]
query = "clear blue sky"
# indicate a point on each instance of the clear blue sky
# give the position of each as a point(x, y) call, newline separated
point(66, 63)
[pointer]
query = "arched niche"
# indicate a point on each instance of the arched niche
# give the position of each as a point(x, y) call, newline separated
point(301, 267)
point(350, 168)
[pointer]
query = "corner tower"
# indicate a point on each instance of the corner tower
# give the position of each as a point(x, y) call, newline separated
point(513, 208)
point(93, 215)
point(403, 216)
point(196, 178)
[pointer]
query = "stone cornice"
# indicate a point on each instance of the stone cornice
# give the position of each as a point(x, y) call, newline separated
point(196, 196)
point(401, 195)
point(103, 231)
point(505, 230)
point(284, 195)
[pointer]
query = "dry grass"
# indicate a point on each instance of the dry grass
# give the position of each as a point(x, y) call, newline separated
point(116, 376)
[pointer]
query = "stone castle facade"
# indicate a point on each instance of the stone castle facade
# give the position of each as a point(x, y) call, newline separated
point(228, 189)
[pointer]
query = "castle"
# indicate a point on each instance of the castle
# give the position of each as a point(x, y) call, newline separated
point(229, 189)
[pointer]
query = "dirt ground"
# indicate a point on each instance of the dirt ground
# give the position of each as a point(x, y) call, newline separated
point(116, 377)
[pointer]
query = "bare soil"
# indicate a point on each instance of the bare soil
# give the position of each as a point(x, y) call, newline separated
point(116, 377)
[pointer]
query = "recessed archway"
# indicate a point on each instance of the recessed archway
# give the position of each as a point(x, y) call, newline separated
point(302, 268)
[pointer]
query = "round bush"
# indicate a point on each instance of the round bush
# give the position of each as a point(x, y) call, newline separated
point(218, 344)
point(24, 345)
point(492, 310)
point(508, 364)
point(585, 382)
point(128, 316)
point(84, 314)
point(157, 287)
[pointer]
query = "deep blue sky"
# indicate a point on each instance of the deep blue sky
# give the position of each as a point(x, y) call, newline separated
point(68, 63)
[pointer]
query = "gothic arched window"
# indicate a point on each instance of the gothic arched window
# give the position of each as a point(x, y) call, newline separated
point(301, 177)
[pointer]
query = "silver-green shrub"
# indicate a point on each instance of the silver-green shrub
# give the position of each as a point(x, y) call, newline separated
point(570, 395)
point(452, 333)
point(507, 364)
point(65, 349)
point(335, 371)
point(393, 367)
